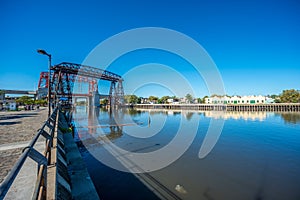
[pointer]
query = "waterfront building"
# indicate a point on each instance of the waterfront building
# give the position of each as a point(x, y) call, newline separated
point(238, 99)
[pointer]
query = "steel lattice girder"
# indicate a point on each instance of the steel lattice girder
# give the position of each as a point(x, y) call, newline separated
point(84, 70)
point(64, 75)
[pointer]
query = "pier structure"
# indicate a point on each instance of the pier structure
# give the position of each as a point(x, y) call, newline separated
point(275, 107)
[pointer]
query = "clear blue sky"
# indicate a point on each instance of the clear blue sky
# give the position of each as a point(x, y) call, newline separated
point(255, 44)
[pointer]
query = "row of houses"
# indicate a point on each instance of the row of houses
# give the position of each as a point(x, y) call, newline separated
point(239, 100)
point(169, 101)
point(218, 100)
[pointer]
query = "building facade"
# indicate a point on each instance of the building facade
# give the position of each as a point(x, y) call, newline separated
point(237, 100)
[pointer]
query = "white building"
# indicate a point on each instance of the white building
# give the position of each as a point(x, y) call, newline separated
point(236, 100)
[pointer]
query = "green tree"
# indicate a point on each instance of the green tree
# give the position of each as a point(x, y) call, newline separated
point(189, 97)
point(153, 99)
point(290, 96)
point(275, 97)
point(42, 102)
point(203, 99)
point(139, 100)
point(132, 99)
point(25, 100)
point(175, 99)
point(200, 100)
point(164, 99)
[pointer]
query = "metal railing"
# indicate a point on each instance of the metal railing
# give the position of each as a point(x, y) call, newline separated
point(41, 159)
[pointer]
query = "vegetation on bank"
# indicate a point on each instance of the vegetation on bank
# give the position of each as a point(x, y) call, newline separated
point(287, 96)
point(25, 100)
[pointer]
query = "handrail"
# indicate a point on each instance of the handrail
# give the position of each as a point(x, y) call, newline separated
point(29, 151)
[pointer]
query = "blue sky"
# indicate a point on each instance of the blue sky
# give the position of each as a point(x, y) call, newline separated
point(255, 44)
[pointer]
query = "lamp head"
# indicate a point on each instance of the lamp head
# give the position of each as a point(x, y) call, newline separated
point(41, 51)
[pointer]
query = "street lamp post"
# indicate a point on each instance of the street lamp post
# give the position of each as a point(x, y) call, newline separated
point(43, 52)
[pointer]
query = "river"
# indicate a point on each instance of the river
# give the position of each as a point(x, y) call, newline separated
point(153, 154)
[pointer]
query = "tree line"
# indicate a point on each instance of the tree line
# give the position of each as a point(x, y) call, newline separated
point(287, 96)
point(26, 100)
point(133, 99)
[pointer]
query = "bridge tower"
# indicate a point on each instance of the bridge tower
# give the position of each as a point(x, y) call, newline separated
point(42, 91)
point(116, 93)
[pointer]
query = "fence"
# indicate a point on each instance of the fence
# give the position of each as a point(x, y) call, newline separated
point(41, 159)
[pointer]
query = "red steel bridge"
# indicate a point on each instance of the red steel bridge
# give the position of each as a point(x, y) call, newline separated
point(65, 75)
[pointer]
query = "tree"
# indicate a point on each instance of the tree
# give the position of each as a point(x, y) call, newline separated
point(200, 100)
point(275, 97)
point(175, 99)
point(153, 99)
point(132, 99)
point(25, 100)
point(42, 102)
point(139, 100)
point(189, 97)
point(164, 99)
point(290, 96)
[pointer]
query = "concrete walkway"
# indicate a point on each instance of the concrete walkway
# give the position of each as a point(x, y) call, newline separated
point(17, 128)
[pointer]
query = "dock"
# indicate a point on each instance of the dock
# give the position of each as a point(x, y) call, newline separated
point(274, 107)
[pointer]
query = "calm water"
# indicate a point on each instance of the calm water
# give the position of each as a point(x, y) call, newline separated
point(257, 155)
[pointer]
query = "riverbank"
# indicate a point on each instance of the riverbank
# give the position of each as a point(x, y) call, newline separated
point(276, 107)
point(17, 128)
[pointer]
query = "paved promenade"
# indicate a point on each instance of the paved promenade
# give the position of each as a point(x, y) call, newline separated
point(17, 129)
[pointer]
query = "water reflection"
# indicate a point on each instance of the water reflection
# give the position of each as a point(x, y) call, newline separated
point(288, 117)
point(89, 121)
point(236, 115)
point(188, 115)
point(257, 156)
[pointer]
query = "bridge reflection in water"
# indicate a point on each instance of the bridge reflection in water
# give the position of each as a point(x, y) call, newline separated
point(257, 156)
point(109, 183)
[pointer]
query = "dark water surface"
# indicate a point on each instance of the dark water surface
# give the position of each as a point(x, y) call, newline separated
point(257, 155)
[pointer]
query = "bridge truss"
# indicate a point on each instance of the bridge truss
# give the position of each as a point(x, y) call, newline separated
point(64, 75)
